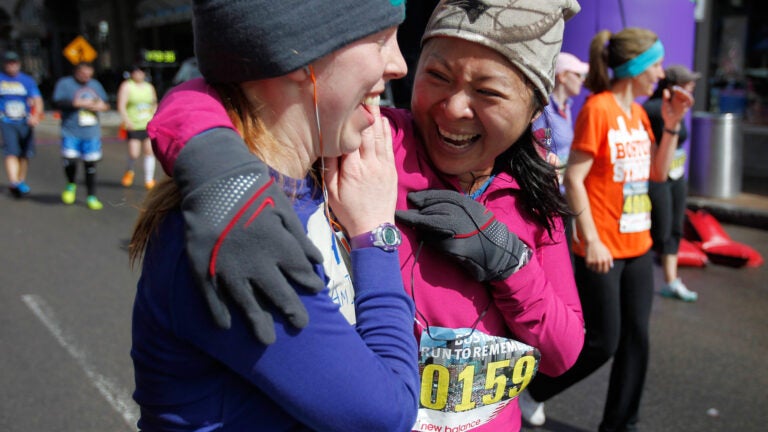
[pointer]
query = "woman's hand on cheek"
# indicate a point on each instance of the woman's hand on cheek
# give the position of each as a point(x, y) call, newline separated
point(362, 186)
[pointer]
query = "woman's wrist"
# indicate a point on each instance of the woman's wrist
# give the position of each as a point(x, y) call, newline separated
point(672, 130)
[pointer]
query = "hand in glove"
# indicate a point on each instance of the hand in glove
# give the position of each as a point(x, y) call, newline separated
point(243, 239)
point(464, 229)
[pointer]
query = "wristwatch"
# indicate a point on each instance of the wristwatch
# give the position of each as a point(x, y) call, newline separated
point(385, 236)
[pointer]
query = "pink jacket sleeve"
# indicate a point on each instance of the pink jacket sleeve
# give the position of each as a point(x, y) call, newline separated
point(541, 305)
point(187, 110)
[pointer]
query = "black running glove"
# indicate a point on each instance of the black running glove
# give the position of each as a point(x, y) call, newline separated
point(244, 241)
point(464, 229)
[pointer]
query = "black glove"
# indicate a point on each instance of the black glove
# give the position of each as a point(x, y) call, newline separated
point(243, 238)
point(464, 229)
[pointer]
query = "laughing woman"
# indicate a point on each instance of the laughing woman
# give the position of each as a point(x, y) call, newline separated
point(346, 370)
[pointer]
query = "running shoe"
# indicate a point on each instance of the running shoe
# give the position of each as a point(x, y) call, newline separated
point(677, 289)
point(149, 184)
point(127, 180)
point(68, 196)
point(94, 203)
point(532, 411)
point(23, 188)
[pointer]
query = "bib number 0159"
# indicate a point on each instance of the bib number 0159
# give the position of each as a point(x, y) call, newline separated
point(500, 382)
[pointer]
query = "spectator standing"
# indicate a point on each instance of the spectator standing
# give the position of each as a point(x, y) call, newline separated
point(21, 109)
point(612, 158)
point(668, 197)
point(570, 73)
point(80, 98)
point(136, 103)
point(555, 124)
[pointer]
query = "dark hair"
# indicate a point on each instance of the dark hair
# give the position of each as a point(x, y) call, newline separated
point(539, 186)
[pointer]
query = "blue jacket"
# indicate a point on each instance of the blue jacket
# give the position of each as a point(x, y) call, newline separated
point(329, 376)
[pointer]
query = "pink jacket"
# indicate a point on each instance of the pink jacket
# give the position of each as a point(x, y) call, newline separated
point(538, 305)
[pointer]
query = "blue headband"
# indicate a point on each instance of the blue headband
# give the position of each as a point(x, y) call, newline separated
point(639, 64)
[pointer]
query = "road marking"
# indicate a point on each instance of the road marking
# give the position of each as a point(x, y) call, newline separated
point(120, 399)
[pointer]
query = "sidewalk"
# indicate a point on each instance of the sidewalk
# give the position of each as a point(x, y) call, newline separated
point(749, 208)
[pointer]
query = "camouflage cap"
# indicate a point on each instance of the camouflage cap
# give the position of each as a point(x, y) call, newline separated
point(529, 33)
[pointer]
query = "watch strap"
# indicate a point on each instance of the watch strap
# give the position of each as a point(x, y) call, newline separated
point(363, 240)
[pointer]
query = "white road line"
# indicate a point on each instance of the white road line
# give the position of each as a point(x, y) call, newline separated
point(120, 399)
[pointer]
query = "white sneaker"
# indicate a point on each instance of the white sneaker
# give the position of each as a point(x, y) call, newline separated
point(532, 411)
point(677, 289)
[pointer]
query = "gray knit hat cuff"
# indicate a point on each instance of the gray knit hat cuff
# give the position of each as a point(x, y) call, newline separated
point(529, 33)
point(244, 40)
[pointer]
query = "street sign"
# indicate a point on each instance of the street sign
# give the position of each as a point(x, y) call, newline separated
point(79, 50)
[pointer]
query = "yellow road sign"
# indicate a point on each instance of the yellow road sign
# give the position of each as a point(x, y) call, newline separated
point(79, 50)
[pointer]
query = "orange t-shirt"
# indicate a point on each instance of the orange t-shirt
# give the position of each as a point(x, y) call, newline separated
point(617, 183)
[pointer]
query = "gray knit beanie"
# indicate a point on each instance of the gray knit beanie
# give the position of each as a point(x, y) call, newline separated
point(529, 33)
point(244, 40)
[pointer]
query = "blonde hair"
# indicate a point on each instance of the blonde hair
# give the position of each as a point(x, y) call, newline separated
point(610, 50)
point(165, 197)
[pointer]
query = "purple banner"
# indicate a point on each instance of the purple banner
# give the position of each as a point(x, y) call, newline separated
point(672, 20)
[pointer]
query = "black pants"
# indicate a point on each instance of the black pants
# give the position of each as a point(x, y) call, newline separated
point(70, 171)
point(667, 214)
point(617, 309)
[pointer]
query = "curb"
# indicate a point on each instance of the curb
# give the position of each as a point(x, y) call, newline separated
point(732, 214)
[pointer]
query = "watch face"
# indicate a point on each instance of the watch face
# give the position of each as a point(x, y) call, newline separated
point(386, 236)
point(390, 236)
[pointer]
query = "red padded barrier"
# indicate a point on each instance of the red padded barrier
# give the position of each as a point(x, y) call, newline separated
point(717, 244)
point(690, 255)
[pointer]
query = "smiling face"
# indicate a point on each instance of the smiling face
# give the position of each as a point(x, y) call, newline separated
point(349, 79)
point(470, 105)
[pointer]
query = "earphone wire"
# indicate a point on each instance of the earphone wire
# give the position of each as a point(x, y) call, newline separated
point(334, 226)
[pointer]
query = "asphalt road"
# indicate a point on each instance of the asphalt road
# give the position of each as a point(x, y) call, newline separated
point(66, 291)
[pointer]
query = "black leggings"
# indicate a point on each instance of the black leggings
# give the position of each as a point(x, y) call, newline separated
point(70, 171)
point(617, 309)
point(667, 214)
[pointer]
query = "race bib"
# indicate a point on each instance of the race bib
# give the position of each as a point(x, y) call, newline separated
point(677, 168)
point(87, 118)
point(636, 211)
point(144, 111)
point(468, 377)
point(15, 109)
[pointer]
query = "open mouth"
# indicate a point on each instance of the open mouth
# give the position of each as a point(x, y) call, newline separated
point(457, 140)
point(371, 101)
